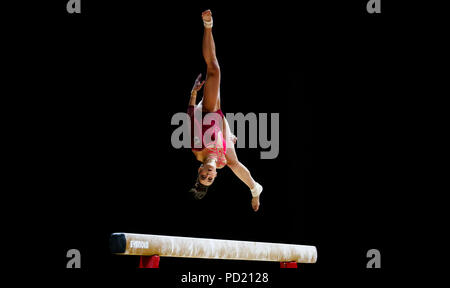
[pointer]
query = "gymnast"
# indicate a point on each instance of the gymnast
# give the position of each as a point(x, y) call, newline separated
point(218, 151)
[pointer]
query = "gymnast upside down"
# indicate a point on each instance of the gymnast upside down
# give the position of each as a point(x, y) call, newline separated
point(219, 152)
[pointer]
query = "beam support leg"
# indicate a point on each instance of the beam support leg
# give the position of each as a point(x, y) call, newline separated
point(288, 264)
point(149, 261)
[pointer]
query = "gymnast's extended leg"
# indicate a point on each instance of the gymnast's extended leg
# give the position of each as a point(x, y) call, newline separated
point(211, 90)
point(239, 169)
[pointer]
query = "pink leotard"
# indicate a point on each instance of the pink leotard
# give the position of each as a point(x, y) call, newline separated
point(217, 146)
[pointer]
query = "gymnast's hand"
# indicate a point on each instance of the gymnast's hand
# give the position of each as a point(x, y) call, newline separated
point(198, 84)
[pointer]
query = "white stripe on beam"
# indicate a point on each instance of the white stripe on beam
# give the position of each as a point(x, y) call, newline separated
point(174, 246)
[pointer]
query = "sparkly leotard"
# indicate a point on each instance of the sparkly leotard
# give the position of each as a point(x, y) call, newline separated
point(211, 135)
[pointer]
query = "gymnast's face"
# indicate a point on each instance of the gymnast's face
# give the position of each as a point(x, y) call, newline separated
point(206, 174)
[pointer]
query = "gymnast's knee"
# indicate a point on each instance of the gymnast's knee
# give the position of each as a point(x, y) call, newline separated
point(233, 163)
point(213, 68)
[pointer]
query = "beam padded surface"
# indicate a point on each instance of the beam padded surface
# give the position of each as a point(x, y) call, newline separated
point(174, 246)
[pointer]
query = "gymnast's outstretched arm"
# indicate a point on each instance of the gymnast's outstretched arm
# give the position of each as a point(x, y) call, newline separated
point(197, 86)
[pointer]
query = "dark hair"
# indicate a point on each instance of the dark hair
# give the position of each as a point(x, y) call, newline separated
point(199, 190)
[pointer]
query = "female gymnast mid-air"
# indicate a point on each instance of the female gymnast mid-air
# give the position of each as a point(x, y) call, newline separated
point(218, 151)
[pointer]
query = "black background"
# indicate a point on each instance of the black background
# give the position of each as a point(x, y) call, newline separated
point(98, 91)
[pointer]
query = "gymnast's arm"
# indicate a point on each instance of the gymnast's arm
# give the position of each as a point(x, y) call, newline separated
point(193, 98)
point(197, 86)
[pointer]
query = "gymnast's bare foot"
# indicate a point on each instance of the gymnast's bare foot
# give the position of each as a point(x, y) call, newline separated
point(207, 16)
point(256, 190)
point(255, 203)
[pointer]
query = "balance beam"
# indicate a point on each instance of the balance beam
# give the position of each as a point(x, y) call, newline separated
point(174, 246)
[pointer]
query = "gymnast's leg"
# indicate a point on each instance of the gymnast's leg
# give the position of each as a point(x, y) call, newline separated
point(239, 169)
point(244, 175)
point(211, 90)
